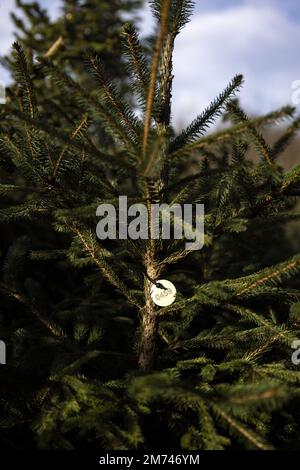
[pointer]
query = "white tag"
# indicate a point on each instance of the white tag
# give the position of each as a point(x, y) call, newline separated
point(163, 297)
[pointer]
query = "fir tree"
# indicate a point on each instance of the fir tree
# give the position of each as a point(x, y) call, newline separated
point(99, 363)
point(80, 26)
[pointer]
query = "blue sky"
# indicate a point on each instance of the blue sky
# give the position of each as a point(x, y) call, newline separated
point(259, 38)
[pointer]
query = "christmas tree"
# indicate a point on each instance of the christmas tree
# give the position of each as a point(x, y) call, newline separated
point(99, 362)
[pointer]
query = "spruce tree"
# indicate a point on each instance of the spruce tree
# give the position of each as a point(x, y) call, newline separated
point(80, 26)
point(98, 361)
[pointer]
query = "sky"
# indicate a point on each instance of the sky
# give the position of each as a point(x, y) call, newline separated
point(258, 38)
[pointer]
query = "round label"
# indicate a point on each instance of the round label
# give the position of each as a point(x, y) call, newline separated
point(163, 297)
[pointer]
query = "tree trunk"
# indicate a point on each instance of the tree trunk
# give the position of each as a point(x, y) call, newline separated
point(147, 346)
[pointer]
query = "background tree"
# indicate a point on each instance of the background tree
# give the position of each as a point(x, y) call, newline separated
point(100, 363)
point(81, 25)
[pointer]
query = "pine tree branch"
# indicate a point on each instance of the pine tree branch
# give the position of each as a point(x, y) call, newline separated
point(137, 59)
point(283, 142)
point(281, 334)
point(52, 132)
point(263, 148)
point(234, 424)
point(224, 136)
point(252, 355)
point(275, 275)
point(24, 300)
point(79, 127)
point(25, 80)
point(113, 126)
point(104, 267)
point(201, 123)
point(111, 95)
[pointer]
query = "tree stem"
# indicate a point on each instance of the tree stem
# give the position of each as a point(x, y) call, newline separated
point(147, 347)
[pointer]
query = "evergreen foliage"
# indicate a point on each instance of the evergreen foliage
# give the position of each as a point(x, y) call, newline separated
point(90, 358)
point(80, 26)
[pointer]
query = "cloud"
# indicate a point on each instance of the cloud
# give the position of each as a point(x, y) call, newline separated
point(260, 42)
point(6, 25)
point(241, 37)
point(53, 7)
point(146, 26)
point(6, 33)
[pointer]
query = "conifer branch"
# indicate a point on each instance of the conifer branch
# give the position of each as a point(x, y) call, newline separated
point(25, 81)
point(137, 59)
point(105, 269)
point(291, 179)
point(77, 131)
point(20, 297)
point(252, 355)
point(283, 142)
point(163, 28)
point(111, 94)
point(113, 126)
point(272, 275)
point(263, 148)
point(235, 425)
point(62, 137)
point(247, 313)
point(238, 130)
point(208, 117)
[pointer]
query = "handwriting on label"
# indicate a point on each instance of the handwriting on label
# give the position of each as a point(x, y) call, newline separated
point(163, 293)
